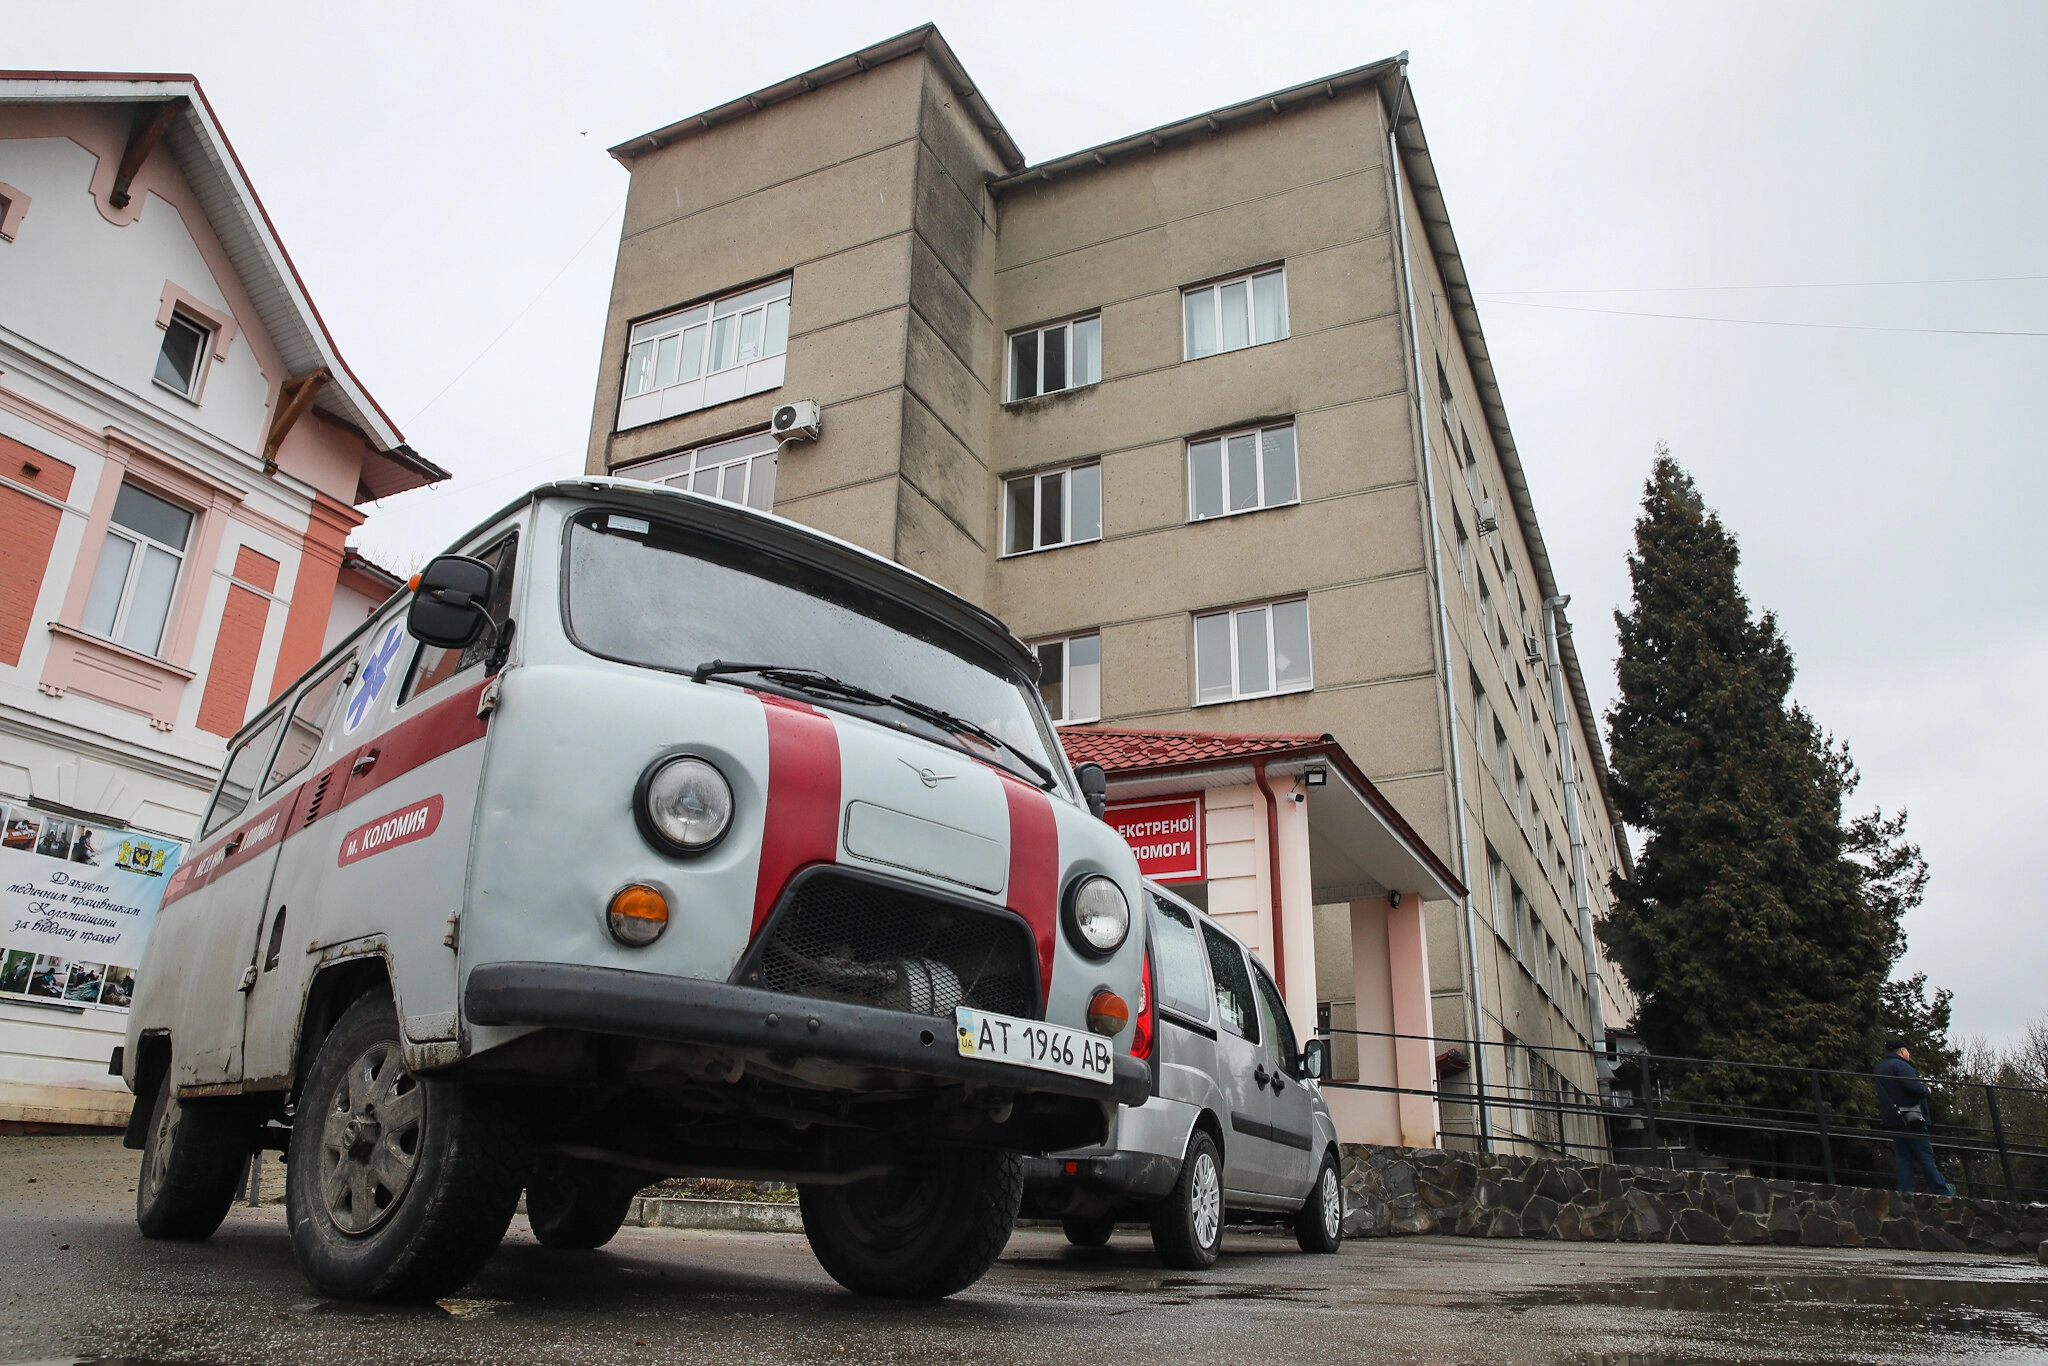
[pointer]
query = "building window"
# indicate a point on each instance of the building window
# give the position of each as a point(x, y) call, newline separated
point(1242, 472)
point(1058, 507)
point(1497, 884)
point(138, 570)
point(1464, 552)
point(1502, 759)
point(741, 470)
point(1234, 314)
point(1070, 678)
point(707, 354)
point(1045, 360)
point(1252, 652)
point(179, 359)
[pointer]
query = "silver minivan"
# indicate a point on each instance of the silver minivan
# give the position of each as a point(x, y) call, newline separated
point(1236, 1125)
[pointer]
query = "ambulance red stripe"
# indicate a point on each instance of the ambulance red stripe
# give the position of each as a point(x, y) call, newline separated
point(801, 826)
point(1034, 887)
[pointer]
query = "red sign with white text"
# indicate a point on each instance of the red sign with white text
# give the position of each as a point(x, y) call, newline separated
point(402, 826)
point(1166, 836)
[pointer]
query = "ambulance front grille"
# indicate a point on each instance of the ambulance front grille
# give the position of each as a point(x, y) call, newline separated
point(871, 943)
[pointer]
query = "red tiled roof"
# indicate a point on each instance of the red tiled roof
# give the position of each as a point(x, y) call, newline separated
point(1129, 751)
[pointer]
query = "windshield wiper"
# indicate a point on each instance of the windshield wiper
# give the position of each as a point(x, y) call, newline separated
point(952, 722)
point(792, 676)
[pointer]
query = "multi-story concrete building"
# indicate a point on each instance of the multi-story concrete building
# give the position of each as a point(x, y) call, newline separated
point(1206, 412)
point(183, 454)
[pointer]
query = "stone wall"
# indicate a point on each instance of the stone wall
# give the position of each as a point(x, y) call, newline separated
point(1428, 1190)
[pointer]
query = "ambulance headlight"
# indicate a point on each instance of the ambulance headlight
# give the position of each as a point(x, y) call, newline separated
point(1098, 919)
point(683, 804)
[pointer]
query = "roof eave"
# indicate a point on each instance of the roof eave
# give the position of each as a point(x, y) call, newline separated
point(924, 38)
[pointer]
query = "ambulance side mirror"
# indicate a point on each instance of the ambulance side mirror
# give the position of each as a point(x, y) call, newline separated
point(1094, 787)
point(451, 601)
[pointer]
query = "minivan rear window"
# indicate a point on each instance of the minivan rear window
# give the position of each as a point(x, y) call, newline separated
point(1233, 986)
point(1177, 974)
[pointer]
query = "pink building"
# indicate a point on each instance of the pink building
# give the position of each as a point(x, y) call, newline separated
point(183, 455)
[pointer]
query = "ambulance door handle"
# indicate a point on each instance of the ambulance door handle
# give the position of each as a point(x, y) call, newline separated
point(364, 763)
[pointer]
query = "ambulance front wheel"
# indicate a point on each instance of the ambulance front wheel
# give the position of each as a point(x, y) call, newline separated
point(932, 1226)
point(193, 1156)
point(399, 1187)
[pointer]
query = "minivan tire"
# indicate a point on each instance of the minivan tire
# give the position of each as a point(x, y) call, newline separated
point(1083, 1231)
point(437, 1176)
point(1187, 1226)
point(578, 1205)
point(193, 1156)
point(931, 1227)
point(1319, 1223)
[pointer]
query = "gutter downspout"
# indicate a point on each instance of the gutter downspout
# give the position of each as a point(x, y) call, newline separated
point(1596, 1026)
point(1443, 627)
point(1273, 858)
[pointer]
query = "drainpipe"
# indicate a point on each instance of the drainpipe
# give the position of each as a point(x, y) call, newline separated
point(1443, 627)
point(1273, 858)
point(1555, 627)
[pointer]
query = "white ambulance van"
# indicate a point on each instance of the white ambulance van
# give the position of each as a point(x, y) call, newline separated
point(646, 835)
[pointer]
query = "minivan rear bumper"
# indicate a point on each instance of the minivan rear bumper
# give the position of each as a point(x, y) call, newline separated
point(652, 1005)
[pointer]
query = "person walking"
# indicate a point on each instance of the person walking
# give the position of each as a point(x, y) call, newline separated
point(1902, 1108)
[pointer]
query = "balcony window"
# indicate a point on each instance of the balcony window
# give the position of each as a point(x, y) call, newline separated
point(138, 570)
point(1252, 652)
point(707, 354)
point(1045, 360)
point(741, 470)
point(1242, 472)
point(1055, 508)
point(1233, 314)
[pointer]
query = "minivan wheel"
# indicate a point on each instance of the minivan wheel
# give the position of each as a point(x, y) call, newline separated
point(399, 1187)
point(1187, 1226)
point(576, 1204)
point(925, 1230)
point(1088, 1232)
point(1319, 1224)
point(193, 1157)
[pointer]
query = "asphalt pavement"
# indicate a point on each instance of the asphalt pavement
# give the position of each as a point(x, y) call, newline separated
point(78, 1282)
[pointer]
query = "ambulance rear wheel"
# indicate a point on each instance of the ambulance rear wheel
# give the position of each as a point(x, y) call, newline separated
point(578, 1205)
point(193, 1156)
point(399, 1187)
point(927, 1229)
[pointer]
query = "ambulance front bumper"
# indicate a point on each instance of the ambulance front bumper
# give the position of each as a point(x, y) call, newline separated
point(652, 1005)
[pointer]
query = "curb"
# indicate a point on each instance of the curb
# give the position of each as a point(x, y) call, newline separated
point(736, 1216)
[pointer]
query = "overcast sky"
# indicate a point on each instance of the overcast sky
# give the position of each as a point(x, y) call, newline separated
point(438, 173)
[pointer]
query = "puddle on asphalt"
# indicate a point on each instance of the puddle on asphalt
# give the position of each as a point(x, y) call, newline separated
point(2008, 1310)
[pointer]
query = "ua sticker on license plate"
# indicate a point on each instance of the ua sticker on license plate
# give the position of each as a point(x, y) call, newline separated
point(1032, 1043)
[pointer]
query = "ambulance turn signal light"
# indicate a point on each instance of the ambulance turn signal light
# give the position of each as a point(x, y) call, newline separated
point(637, 916)
point(1107, 1013)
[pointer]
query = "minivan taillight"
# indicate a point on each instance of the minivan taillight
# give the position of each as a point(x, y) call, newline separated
point(1141, 1036)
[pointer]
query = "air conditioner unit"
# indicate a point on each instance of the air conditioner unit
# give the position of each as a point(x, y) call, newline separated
point(798, 421)
point(1488, 521)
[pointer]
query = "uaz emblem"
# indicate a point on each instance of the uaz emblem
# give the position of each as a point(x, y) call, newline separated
point(928, 777)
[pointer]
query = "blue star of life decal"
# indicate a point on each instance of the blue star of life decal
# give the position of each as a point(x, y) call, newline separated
point(376, 672)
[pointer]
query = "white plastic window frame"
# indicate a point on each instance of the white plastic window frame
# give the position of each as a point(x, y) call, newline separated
point(1221, 441)
point(644, 343)
point(1065, 474)
point(1214, 290)
point(709, 468)
point(1067, 327)
point(141, 544)
point(1068, 714)
point(1231, 617)
point(196, 382)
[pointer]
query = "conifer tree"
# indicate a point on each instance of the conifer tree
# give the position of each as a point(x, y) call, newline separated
point(1747, 931)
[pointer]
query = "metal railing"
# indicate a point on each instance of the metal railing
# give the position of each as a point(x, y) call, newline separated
point(1771, 1119)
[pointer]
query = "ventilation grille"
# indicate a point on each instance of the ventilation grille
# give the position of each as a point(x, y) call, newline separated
point(875, 944)
point(319, 796)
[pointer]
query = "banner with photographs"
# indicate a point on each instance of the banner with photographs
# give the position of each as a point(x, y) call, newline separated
point(76, 902)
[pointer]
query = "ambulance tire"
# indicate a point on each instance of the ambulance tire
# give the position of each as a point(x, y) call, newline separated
point(193, 1157)
point(1319, 1223)
point(403, 1203)
point(1085, 1231)
point(1187, 1225)
point(930, 1228)
point(577, 1205)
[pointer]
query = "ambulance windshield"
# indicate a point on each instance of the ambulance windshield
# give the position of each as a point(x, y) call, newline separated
point(645, 592)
